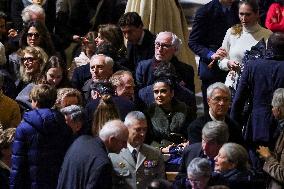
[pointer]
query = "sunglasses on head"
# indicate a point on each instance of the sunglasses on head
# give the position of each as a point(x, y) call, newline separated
point(29, 59)
point(36, 35)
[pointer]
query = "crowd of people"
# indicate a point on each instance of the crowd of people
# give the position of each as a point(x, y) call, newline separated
point(123, 113)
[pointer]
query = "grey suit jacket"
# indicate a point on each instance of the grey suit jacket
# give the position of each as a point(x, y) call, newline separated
point(150, 165)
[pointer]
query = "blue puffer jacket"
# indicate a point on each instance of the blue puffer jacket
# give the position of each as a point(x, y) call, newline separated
point(41, 141)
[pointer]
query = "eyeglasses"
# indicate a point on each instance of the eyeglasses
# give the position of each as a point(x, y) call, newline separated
point(162, 45)
point(36, 35)
point(219, 99)
point(29, 59)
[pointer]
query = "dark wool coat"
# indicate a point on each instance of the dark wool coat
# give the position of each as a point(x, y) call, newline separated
point(86, 165)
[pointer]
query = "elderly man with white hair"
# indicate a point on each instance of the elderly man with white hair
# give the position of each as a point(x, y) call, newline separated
point(166, 46)
point(86, 163)
point(101, 69)
point(138, 164)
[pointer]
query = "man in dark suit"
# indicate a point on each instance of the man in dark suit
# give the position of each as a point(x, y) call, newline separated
point(260, 78)
point(86, 163)
point(140, 42)
point(218, 98)
point(214, 135)
point(209, 28)
point(166, 45)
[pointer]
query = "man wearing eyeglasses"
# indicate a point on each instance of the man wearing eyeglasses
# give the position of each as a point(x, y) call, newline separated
point(218, 98)
point(167, 45)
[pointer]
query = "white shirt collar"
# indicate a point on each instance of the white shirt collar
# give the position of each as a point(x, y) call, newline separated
point(131, 148)
point(213, 118)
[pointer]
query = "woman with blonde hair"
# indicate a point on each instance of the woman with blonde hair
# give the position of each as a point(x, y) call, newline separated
point(105, 112)
point(33, 62)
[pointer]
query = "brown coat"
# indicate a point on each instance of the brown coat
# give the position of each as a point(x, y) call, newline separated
point(274, 165)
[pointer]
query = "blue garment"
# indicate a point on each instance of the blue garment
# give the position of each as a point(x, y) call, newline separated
point(40, 143)
point(260, 79)
point(208, 31)
point(86, 165)
point(184, 72)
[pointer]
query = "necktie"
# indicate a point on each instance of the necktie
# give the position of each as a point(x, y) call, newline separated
point(134, 155)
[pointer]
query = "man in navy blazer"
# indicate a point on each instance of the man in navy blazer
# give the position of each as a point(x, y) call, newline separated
point(140, 42)
point(86, 163)
point(260, 78)
point(209, 28)
point(166, 45)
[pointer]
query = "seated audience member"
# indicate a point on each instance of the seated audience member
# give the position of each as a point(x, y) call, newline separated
point(214, 135)
point(74, 118)
point(33, 62)
point(232, 164)
point(87, 50)
point(67, 97)
point(123, 106)
point(166, 45)
point(10, 115)
point(48, 11)
point(168, 117)
point(86, 164)
point(110, 34)
point(37, 165)
point(198, 173)
point(138, 164)
point(123, 83)
point(107, 46)
point(218, 98)
point(105, 112)
point(6, 139)
point(55, 73)
point(34, 34)
point(274, 161)
point(140, 42)
point(101, 70)
point(181, 93)
point(274, 18)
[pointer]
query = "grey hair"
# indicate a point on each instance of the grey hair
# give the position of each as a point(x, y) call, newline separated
point(134, 115)
point(176, 41)
point(108, 60)
point(278, 98)
point(216, 131)
point(218, 85)
point(199, 167)
point(113, 128)
point(237, 155)
point(75, 112)
point(34, 8)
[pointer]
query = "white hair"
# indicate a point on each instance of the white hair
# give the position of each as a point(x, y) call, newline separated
point(176, 41)
point(199, 167)
point(108, 60)
point(134, 115)
point(35, 9)
point(114, 128)
point(218, 85)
